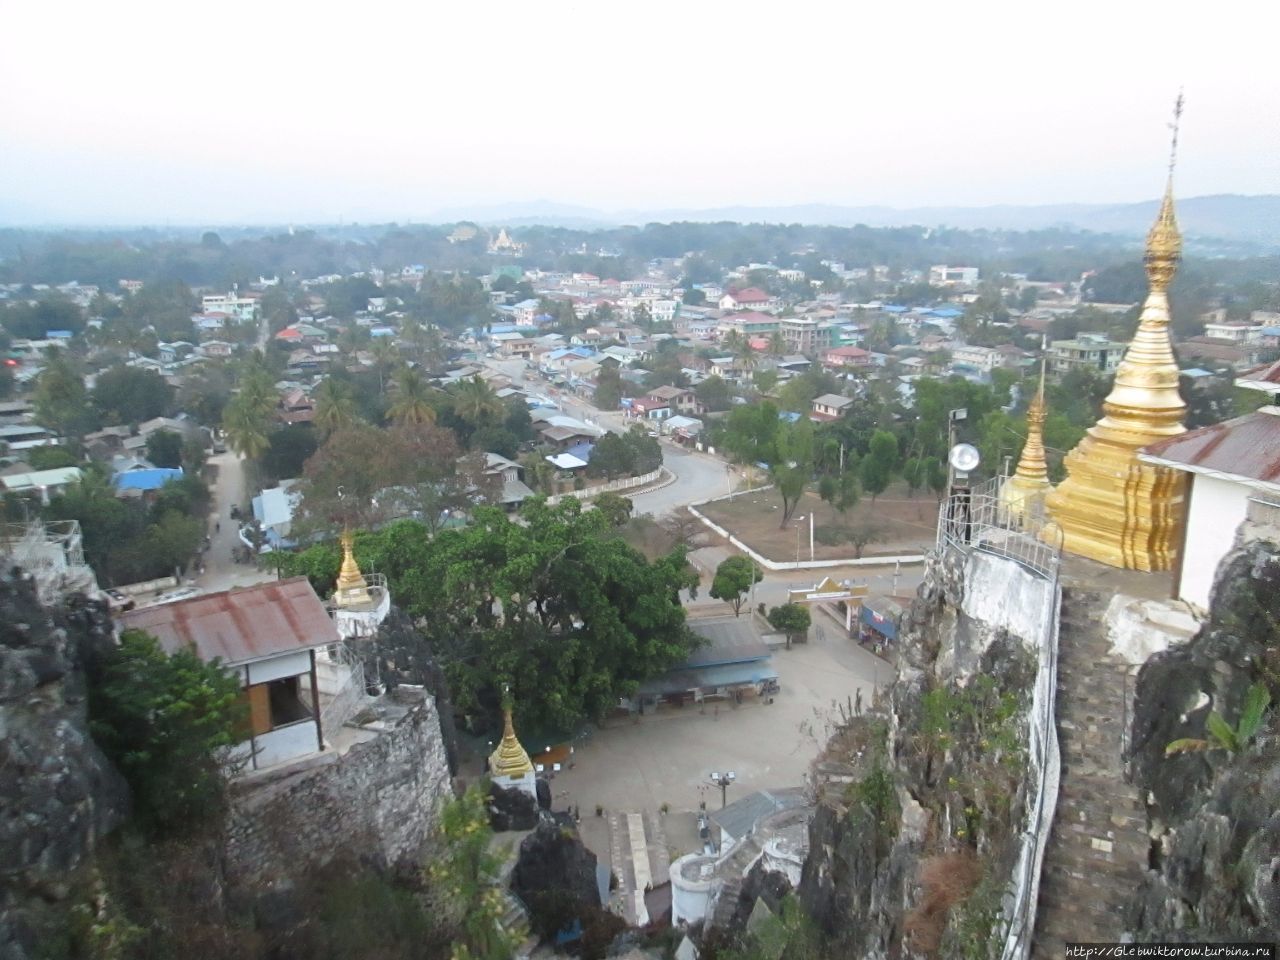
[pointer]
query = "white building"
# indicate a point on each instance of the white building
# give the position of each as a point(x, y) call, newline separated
point(985, 359)
point(243, 309)
point(1232, 475)
point(1234, 331)
point(943, 275)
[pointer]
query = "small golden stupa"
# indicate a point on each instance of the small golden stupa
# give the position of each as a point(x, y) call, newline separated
point(510, 758)
point(352, 588)
point(1111, 508)
point(1024, 492)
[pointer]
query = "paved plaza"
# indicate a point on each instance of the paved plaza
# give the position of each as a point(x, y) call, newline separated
point(635, 767)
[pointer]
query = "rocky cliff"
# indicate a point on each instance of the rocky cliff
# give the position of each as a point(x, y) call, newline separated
point(1214, 814)
point(922, 800)
point(58, 794)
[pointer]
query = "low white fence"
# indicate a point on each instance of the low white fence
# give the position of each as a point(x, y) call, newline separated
point(627, 483)
point(1044, 760)
point(788, 564)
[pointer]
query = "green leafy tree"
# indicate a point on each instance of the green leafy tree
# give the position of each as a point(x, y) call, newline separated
point(714, 394)
point(464, 880)
point(733, 580)
point(877, 466)
point(166, 721)
point(614, 506)
point(60, 400)
point(164, 448)
point(547, 604)
point(611, 458)
point(792, 619)
point(792, 465)
point(49, 458)
point(609, 389)
point(935, 475)
point(131, 395)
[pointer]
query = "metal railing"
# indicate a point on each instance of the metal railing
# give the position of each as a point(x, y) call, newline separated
point(340, 707)
point(977, 518)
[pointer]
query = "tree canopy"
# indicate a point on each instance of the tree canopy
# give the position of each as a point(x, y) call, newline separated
point(734, 577)
point(570, 617)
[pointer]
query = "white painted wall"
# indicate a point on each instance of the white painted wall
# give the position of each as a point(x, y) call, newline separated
point(288, 665)
point(286, 743)
point(1216, 510)
point(690, 899)
point(1004, 594)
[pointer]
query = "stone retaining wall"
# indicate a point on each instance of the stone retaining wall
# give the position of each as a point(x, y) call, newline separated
point(381, 797)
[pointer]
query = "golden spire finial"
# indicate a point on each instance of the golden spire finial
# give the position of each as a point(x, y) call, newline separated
point(1031, 480)
point(1112, 507)
point(1164, 242)
point(352, 588)
point(510, 758)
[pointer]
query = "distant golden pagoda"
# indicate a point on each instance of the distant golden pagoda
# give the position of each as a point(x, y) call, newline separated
point(1024, 492)
point(510, 758)
point(1111, 508)
point(352, 588)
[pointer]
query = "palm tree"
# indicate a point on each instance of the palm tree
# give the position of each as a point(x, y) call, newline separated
point(247, 417)
point(335, 406)
point(745, 354)
point(246, 428)
point(474, 401)
point(412, 403)
point(385, 356)
point(777, 346)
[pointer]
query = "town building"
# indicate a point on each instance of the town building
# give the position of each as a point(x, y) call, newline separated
point(943, 275)
point(1095, 352)
point(241, 309)
point(829, 406)
point(843, 359)
point(750, 298)
point(807, 336)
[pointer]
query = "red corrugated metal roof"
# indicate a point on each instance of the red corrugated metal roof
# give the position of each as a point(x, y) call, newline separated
point(240, 625)
point(1267, 373)
point(1247, 446)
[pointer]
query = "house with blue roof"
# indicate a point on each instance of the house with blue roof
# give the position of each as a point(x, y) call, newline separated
point(145, 480)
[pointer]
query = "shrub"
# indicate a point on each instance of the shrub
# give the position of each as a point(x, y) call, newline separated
point(166, 722)
point(945, 881)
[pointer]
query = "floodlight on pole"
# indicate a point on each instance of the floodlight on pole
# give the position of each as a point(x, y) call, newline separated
point(723, 780)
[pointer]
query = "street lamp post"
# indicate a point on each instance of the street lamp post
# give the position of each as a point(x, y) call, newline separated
point(799, 522)
point(722, 780)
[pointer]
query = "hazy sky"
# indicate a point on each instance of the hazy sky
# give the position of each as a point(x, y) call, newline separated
point(225, 112)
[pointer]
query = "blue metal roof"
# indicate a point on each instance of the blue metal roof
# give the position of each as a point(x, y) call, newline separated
point(152, 479)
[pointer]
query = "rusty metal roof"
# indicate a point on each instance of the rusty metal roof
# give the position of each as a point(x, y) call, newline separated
point(1247, 447)
point(241, 625)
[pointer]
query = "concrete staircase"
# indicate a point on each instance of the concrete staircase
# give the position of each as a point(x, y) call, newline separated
point(1098, 847)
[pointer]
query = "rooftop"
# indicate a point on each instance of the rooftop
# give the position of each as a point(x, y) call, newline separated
point(1246, 450)
point(239, 626)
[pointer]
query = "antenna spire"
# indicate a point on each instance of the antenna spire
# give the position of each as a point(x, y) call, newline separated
point(1177, 122)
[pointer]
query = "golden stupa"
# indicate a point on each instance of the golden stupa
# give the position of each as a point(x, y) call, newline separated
point(1024, 492)
point(352, 589)
point(509, 759)
point(1111, 508)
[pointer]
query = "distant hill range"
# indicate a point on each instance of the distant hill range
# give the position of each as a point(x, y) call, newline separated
point(1223, 216)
